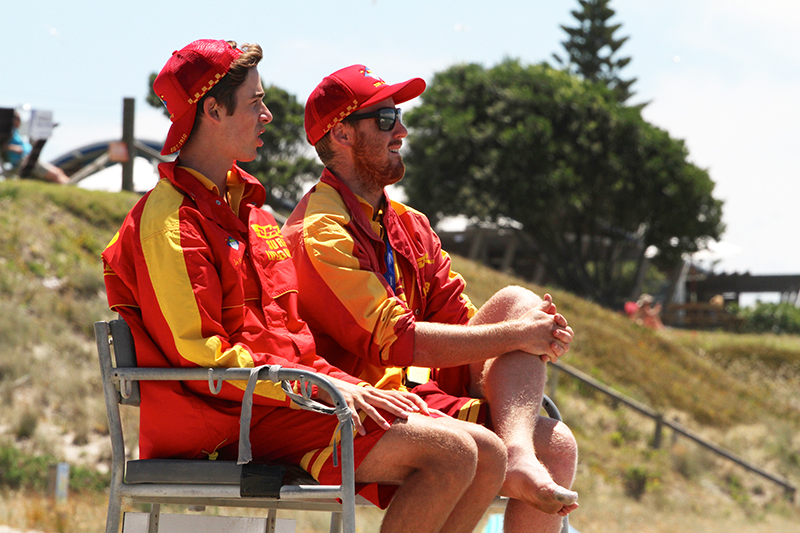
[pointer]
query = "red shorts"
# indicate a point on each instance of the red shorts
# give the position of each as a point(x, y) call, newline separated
point(306, 439)
point(448, 392)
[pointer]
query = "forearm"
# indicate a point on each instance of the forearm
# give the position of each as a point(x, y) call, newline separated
point(445, 345)
point(541, 331)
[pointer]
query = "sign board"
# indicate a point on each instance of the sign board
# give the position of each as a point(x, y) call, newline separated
point(40, 126)
point(184, 523)
point(118, 152)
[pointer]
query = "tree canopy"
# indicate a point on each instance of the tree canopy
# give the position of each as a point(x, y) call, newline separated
point(283, 164)
point(591, 48)
point(587, 177)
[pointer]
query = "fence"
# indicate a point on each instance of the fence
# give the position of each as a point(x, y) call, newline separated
point(788, 488)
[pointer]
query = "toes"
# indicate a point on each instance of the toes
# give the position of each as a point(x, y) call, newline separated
point(567, 509)
point(565, 496)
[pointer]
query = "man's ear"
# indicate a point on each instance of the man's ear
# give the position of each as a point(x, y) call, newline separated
point(342, 134)
point(212, 109)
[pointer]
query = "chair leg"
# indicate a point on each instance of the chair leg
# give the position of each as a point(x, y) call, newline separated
point(272, 520)
point(155, 517)
point(114, 512)
point(336, 522)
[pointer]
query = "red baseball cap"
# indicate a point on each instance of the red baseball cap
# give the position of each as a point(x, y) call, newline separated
point(347, 90)
point(188, 75)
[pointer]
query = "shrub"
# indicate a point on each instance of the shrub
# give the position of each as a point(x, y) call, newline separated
point(635, 481)
point(18, 470)
point(27, 424)
point(783, 317)
point(21, 471)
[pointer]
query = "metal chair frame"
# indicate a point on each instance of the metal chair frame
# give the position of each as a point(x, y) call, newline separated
point(223, 484)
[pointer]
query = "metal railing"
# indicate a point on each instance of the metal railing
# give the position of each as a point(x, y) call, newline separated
point(789, 489)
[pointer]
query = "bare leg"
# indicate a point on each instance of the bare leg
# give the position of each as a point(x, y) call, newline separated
point(513, 384)
point(556, 449)
point(488, 480)
point(436, 465)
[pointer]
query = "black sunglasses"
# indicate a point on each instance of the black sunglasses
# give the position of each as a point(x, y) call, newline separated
point(387, 116)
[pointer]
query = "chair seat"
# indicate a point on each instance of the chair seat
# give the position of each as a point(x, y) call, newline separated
point(255, 480)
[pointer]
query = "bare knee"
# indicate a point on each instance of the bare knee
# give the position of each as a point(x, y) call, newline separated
point(564, 441)
point(559, 453)
point(508, 303)
point(454, 460)
point(519, 297)
point(421, 446)
point(492, 455)
point(513, 294)
point(454, 454)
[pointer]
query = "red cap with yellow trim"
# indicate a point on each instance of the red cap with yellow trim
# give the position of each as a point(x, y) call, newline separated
point(347, 90)
point(188, 75)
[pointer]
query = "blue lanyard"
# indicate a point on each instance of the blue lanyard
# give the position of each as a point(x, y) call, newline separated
point(389, 275)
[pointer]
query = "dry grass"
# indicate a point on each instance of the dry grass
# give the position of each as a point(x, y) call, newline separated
point(608, 511)
point(32, 511)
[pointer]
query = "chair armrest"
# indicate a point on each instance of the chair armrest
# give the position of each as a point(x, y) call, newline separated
point(550, 408)
point(274, 373)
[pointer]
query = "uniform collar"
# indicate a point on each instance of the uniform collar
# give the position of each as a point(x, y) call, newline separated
point(242, 187)
point(245, 185)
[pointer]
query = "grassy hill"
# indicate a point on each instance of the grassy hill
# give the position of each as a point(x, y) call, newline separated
point(740, 391)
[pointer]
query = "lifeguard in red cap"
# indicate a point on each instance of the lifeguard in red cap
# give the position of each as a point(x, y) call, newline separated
point(203, 277)
point(380, 296)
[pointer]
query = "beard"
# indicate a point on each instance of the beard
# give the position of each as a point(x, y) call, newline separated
point(375, 168)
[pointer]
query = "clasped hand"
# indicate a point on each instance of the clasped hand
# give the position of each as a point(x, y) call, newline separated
point(548, 333)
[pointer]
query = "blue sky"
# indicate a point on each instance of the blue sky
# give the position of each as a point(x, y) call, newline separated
point(723, 75)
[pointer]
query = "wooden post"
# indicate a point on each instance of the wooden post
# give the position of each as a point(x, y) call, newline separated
point(659, 431)
point(128, 105)
point(509, 254)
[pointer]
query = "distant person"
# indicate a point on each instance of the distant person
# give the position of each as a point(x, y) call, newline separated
point(632, 310)
point(17, 151)
point(204, 278)
point(379, 294)
point(649, 315)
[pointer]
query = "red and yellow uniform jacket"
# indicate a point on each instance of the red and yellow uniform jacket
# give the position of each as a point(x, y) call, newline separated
point(361, 323)
point(205, 282)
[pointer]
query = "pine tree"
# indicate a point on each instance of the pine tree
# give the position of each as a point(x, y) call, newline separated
point(591, 48)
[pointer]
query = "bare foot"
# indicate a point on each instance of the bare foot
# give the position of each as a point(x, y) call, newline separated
point(529, 481)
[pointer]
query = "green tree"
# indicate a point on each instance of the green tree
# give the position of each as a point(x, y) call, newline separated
point(588, 178)
point(152, 98)
point(283, 164)
point(591, 48)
